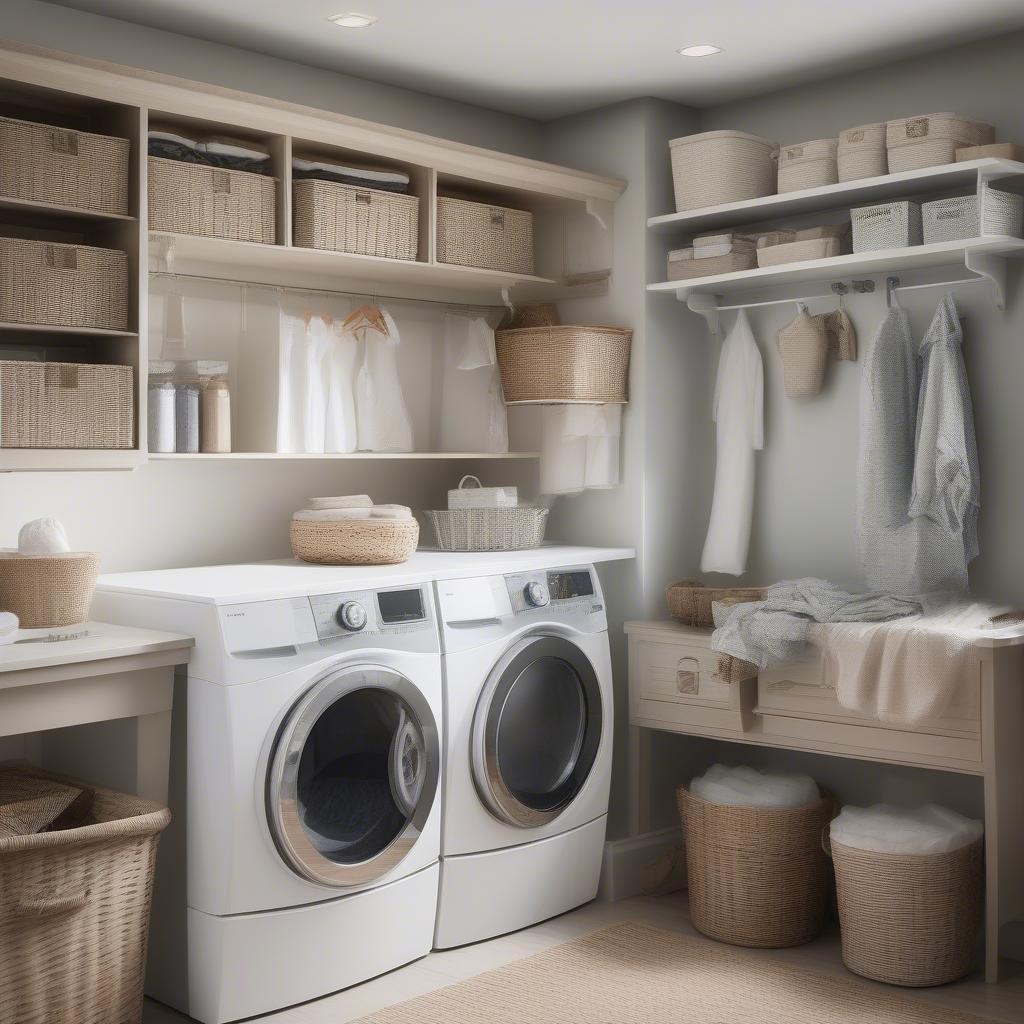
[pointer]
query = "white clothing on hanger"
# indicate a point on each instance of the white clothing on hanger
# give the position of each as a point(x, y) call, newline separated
point(382, 418)
point(579, 448)
point(317, 343)
point(739, 414)
point(473, 414)
point(291, 384)
point(340, 434)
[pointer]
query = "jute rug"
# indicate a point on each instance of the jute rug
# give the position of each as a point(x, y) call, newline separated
point(636, 974)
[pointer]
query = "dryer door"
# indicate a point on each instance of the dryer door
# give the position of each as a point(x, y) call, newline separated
point(353, 776)
point(537, 730)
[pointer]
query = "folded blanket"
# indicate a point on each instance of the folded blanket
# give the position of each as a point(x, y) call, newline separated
point(385, 179)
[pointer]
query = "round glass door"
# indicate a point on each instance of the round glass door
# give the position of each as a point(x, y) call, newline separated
point(537, 730)
point(353, 776)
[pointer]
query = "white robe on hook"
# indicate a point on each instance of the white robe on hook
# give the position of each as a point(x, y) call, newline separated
point(382, 419)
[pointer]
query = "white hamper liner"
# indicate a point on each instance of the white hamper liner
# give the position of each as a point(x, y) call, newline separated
point(741, 786)
point(721, 167)
point(862, 152)
point(887, 226)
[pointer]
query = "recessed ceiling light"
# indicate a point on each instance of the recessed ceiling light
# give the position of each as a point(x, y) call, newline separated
point(699, 50)
point(350, 19)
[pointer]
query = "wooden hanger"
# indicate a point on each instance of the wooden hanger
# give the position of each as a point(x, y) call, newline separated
point(369, 317)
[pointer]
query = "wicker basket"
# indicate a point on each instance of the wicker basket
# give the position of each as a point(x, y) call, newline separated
point(63, 285)
point(347, 218)
point(803, 346)
point(48, 590)
point(565, 364)
point(477, 235)
point(998, 213)
point(74, 915)
point(757, 875)
point(355, 541)
point(932, 139)
point(690, 602)
point(43, 164)
point(194, 199)
point(909, 920)
point(540, 314)
point(712, 266)
point(862, 153)
point(66, 405)
point(489, 529)
point(889, 226)
point(808, 165)
point(796, 252)
point(721, 167)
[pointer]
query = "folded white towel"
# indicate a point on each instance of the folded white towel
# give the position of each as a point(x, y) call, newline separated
point(343, 501)
point(44, 536)
point(8, 628)
point(331, 515)
point(391, 512)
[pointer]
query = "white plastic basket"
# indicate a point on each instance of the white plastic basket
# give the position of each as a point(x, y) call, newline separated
point(998, 213)
point(888, 226)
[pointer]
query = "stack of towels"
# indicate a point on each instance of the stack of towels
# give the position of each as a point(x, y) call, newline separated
point(348, 507)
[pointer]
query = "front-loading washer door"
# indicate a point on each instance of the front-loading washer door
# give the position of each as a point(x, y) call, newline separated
point(536, 730)
point(353, 776)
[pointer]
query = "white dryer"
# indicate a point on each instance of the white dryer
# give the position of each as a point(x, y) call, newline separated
point(528, 748)
point(303, 856)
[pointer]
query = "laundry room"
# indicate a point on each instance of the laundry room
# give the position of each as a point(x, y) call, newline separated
point(511, 512)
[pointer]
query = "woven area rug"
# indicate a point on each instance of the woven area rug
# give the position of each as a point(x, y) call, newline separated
point(636, 974)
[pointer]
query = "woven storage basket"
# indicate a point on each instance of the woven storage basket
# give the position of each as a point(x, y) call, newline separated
point(795, 252)
point(808, 165)
point(689, 602)
point(803, 345)
point(999, 150)
point(541, 314)
point(909, 920)
point(564, 364)
point(74, 915)
point(686, 270)
point(355, 541)
point(862, 153)
point(489, 529)
point(48, 590)
point(889, 226)
point(477, 235)
point(721, 167)
point(194, 199)
point(757, 875)
point(947, 220)
point(63, 285)
point(932, 139)
point(347, 218)
point(66, 405)
point(44, 164)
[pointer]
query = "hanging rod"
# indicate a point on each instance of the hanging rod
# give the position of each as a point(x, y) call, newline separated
point(892, 285)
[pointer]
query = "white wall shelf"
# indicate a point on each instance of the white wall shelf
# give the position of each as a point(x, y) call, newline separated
point(51, 460)
point(9, 204)
point(85, 332)
point(323, 456)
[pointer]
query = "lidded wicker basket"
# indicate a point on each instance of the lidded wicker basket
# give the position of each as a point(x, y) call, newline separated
point(757, 875)
point(564, 364)
point(355, 541)
point(48, 590)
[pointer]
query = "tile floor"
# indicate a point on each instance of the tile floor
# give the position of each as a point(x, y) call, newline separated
point(1003, 1003)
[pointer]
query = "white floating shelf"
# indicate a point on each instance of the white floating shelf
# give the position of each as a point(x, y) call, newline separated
point(313, 456)
point(863, 191)
point(56, 459)
point(87, 332)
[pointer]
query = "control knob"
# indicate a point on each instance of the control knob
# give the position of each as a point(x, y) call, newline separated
point(536, 595)
point(351, 616)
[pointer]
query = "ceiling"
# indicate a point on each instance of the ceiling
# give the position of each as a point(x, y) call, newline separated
point(547, 58)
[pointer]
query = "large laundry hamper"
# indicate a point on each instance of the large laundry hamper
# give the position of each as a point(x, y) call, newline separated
point(908, 919)
point(757, 875)
point(74, 916)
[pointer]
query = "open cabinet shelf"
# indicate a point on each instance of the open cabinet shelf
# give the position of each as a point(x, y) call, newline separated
point(332, 456)
point(10, 205)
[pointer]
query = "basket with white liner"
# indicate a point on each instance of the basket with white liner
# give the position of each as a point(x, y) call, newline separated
point(351, 530)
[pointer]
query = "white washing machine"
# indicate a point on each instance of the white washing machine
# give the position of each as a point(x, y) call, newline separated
point(528, 749)
point(303, 856)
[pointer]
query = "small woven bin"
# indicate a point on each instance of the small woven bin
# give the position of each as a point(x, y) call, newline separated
point(757, 875)
point(910, 920)
point(477, 235)
point(355, 541)
point(565, 364)
point(690, 602)
point(48, 590)
point(346, 218)
point(74, 915)
point(862, 152)
point(721, 167)
point(489, 529)
point(808, 165)
point(194, 199)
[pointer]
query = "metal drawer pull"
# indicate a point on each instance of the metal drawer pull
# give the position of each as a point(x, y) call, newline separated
point(688, 676)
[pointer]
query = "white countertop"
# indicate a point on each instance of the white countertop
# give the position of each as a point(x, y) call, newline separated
point(236, 584)
point(102, 641)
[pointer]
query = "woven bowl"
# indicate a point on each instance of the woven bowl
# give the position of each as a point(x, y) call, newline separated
point(48, 590)
point(355, 542)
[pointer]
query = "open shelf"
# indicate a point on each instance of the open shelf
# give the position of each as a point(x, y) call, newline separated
point(86, 332)
point(306, 456)
point(8, 204)
point(56, 459)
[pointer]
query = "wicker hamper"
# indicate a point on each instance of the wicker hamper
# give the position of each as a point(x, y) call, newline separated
point(347, 218)
point(355, 541)
point(44, 164)
point(66, 405)
point(477, 235)
point(74, 915)
point(757, 875)
point(63, 285)
point(721, 167)
point(48, 590)
point(564, 364)
point(194, 199)
point(909, 920)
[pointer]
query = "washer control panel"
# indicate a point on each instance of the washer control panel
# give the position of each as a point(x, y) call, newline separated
point(387, 612)
point(559, 588)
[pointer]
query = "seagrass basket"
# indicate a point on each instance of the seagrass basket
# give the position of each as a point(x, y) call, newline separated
point(473, 234)
point(690, 602)
point(355, 541)
point(48, 590)
point(564, 364)
point(757, 875)
point(911, 920)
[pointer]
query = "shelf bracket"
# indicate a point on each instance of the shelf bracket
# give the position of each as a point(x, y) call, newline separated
point(993, 269)
point(601, 210)
point(707, 306)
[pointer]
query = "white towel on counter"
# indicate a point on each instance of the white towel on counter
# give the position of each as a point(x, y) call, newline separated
point(381, 414)
point(579, 448)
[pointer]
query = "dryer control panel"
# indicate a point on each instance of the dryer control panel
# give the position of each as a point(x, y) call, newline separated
point(389, 612)
point(561, 589)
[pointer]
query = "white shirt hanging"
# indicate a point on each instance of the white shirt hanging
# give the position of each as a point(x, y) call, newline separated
point(739, 415)
point(382, 418)
point(291, 384)
point(579, 448)
point(340, 433)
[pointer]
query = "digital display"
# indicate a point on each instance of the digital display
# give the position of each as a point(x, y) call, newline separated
point(400, 606)
point(564, 586)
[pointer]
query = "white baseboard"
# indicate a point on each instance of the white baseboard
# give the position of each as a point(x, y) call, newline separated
point(626, 861)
